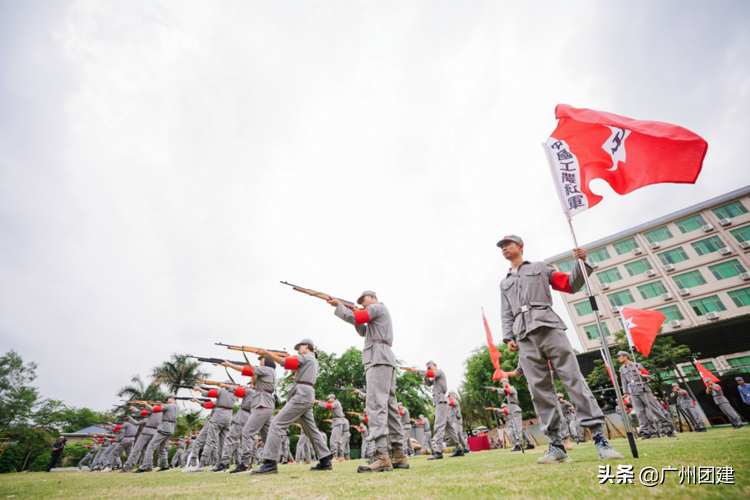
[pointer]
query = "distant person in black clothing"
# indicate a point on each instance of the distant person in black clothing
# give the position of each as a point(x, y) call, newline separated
point(57, 450)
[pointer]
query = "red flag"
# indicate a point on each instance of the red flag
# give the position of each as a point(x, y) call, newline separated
point(643, 326)
point(705, 373)
point(628, 154)
point(607, 366)
point(494, 353)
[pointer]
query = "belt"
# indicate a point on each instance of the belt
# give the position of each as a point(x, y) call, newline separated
point(149, 427)
point(170, 421)
point(305, 383)
point(378, 342)
point(226, 407)
point(266, 391)
point(245, 409)
point(525, 308)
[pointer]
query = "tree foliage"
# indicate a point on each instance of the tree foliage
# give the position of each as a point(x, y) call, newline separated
point(178, 370)
point(17, 397)
point(31, 442)
point(54, 413)
point(139, 391)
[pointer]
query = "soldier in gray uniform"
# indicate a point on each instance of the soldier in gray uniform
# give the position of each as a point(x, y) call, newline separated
point(723, 403)
point(531, 327)
point(89, 457)
point(125, 445)
point(514, 420)
point(103, 452)
point(635, 384)
point(177, 457)
point(685, 403)
point(233, 440)
point(221, 422)
point(569, 415)
point(299, 405)
point(345, 438)
point(119, 433)
point(664, 407)
point(366, 443)
point(337, 425)
point(301, 455)
point(200, 440)
point(426, 434)
point(162, 437)
point(436, 378)
point(375, 325)
point(457, 420)
point(150, 425)
point(406, 422)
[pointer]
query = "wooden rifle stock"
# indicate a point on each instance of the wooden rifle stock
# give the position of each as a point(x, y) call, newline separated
point(246, 348)
point(321, 295)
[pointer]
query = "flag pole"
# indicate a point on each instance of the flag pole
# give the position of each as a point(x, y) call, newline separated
point(594, 307)
point(650, 411)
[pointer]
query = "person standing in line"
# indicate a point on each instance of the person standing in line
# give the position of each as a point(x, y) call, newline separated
point(337, 426)
point(635, 383)
point(454, 414)
point(684, 402)
point(233, 441)
point(89, 456)
point(723, 403)
point(406, 422)
point(161, 438)
point(150, 424)
point(532, 328)
point(424, 423)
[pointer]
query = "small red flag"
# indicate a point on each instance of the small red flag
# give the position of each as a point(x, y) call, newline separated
point(705, 373)
point(494, 353)
point(628, 154)
point(643, 327)
point(607, 366)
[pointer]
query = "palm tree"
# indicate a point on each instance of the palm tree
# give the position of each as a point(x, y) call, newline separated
point(188, 421)
point(139, 391)
point(472, 410)
point(179, 370)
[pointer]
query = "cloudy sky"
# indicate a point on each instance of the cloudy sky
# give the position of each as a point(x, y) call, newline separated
point(164, 164)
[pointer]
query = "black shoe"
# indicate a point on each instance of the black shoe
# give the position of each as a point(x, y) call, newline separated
point(240, 468)
point(458, 452)
point(268, 467)
point(466, 450)
point(529, 447)
point(671, 435)
point(645, 436)
point(163, 469)
point(324, 464)
point(516, 448)
point(436, 456)
point(149, 469)
point(221, 468)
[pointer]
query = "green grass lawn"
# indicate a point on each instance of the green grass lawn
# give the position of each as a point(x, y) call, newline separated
point(488, 474)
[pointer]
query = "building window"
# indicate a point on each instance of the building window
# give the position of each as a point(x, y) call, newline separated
point(566, 266)
point(707, 304)
point(690, 224)
point(742, 361)
point(651, 290)
point(599, 255)
point(623, 247)
point(583, 308)
point(621, 298)
point(741, 234)
point(609, 276)
point(673, 256)
point(692, 373)
point(704, 247)
point(727, 269)
point(638, 267)
point(740, 297)
point(689, 279)
point(592, 332)
point(657, 235)
point(730, 210)
point(672, 313)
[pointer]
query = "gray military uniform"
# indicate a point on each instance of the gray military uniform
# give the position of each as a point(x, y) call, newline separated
point(442, 424)
point(88, 458)
point(177, 457)
point(426, 435)
point(125, 445)
point(406, 422)
point(234, 437)
point(457, 420)
point(723, 403)
point(514, 420)
point(685, 403)
point(163, 434)
point(642, 399)
point(299, 405)
point(220, 424)
point(260, 419)
point(380, 371)
point(147, 433)
point(337, 427)
point(528, 319)
point(570, 418)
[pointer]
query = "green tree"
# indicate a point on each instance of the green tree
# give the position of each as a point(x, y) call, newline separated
point(664, 355)
point(17, 397)
point(189, 421)
point(178, 370)
point(139, 391)
point(32, 442)
point(70, 419)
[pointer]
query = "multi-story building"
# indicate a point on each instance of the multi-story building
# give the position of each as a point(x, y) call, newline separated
point(692, 265)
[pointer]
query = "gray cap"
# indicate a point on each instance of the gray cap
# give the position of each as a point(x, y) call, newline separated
point(560, 395)
point(707, 379)
point(171, 396)
point(510, 238)
point(304, 341)
point(675, 384)
point(229, 382)
point(451, 393)
point(331, 396)
point(421, 416)
point(400, 403)
point(365, 294)
point(503, 405)
point(739, 379)
point(504, 379)
point(429, 363)
point(623, 353)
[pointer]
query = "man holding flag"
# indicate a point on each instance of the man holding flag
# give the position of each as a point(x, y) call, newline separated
point(714, 389)
point(532, 328)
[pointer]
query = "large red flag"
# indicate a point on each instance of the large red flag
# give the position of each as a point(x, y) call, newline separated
point(705, 373)
point(494, 353)
point(626, 153)
point(643, 326)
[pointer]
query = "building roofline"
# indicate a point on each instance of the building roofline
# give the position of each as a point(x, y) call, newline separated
point(655, 222)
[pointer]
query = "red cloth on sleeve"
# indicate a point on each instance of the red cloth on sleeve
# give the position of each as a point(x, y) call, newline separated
point(361, 317)
point(209, 405)
point(240, 392)
point(561, 282)
point(248, 371)
point(212, 393)
point(291, 363)
point(430, 374)
point(157, 409)
point(144, 413)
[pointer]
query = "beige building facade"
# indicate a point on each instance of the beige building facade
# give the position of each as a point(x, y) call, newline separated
point(692, 265)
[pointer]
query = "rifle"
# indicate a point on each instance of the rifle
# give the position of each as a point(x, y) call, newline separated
point(245, 348)
point(184, 398)
point(324, 296)
point(141, 403)
point(348, 389)
point(209, 382)
point(191, 386)
point(216, 361)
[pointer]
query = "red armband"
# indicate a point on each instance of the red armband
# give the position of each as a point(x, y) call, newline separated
point(693, 402)
point(505, 410)
point(644, 371)
point(430, 374)
point(507, 391)
point(400, 412)
point(451, 403)
point(329, 406)
point(187, 441)
point(561, 282)
point(361, 317)
point(248, 371)
point(684, 393)
point(209, 405)
point(157, 409)
point(175, 443)
point(212, 393)
point(665, 405)
point(291, 363)
point(112, 440)
point(240, 392)
point(144, 413)
point(117, 428)
point(366, 419)
point(89, 447)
